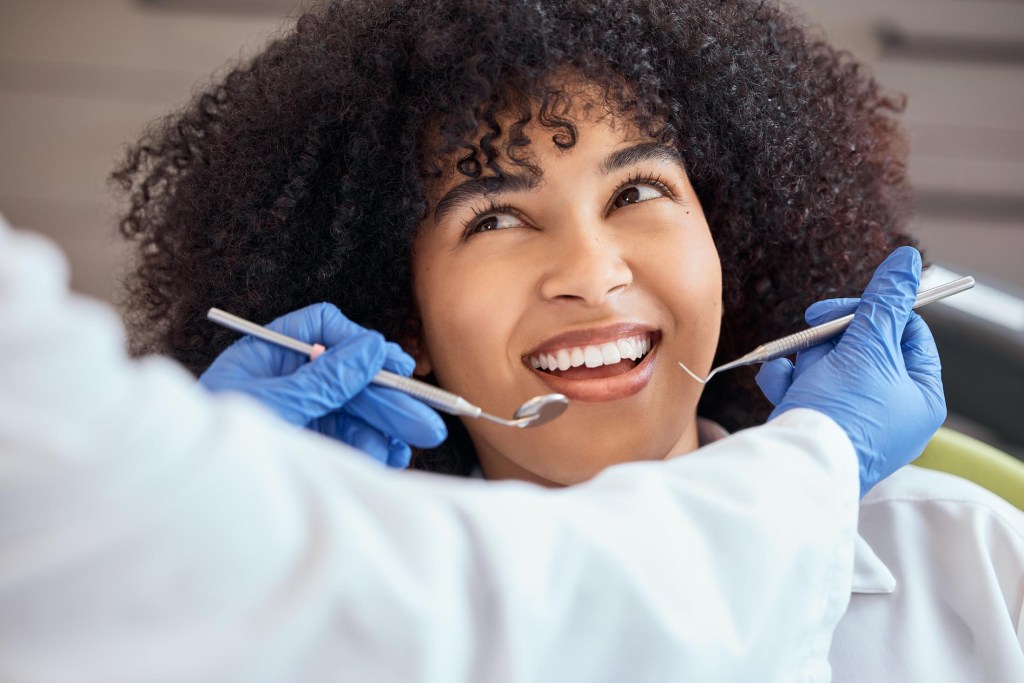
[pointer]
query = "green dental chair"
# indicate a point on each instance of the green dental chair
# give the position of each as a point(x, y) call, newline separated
point(966, 457)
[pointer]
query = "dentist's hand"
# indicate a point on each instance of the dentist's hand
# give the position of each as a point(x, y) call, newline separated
point(880, 380)
point(333, 394)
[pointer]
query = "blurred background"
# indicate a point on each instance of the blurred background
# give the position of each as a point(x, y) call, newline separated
point(79, 80)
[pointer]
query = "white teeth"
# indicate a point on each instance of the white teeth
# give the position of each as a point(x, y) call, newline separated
point(609, 353)
point(626, 349)
point(592, 357)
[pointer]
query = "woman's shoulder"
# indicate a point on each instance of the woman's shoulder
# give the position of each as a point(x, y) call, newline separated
point(943, 558)
point(920, 494)
point(913, 482)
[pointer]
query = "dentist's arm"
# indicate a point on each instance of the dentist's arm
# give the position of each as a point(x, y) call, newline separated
point(151, 531)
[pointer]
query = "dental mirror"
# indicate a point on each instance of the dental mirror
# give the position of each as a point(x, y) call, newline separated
point(541, 410)
point(535, 412)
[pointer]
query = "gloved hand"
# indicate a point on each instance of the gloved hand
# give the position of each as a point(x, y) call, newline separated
point(333, 394)
point(880, 380)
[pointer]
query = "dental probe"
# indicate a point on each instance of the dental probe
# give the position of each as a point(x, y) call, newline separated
point(805, 339)
point(537, 411)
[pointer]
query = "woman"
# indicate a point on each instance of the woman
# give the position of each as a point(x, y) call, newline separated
point(793, 152)
point(523, 194)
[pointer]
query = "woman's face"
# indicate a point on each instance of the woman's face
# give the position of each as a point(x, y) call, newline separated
point(592, 279)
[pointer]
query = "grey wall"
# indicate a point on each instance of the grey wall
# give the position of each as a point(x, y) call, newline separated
point(78, 80)
point(961, 64)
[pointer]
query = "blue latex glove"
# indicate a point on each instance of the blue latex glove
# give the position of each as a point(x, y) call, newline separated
point(880, 380)
point(331, 395)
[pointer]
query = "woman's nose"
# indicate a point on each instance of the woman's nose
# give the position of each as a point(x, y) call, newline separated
point(585, 264)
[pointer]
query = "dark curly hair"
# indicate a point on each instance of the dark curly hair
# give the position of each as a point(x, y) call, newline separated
point(302, 175)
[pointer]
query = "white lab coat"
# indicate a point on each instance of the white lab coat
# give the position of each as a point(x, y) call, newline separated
point(150, 531)
point(938, 587)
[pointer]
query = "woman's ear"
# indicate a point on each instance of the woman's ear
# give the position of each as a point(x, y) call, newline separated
point(413, 344)
point(423, 364)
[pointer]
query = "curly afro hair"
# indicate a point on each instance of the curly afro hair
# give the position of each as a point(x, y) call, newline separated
point(302, 175)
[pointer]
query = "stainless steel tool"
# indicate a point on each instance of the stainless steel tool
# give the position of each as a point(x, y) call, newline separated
point(537, 411)
point(805, 339)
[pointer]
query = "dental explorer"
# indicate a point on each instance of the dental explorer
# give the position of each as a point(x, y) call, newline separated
point(805, 339)
point(537, 411)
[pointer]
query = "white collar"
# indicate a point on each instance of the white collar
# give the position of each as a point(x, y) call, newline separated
point(870, 575)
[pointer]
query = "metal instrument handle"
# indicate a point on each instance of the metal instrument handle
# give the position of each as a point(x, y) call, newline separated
point(805, 339)
point(434, 397)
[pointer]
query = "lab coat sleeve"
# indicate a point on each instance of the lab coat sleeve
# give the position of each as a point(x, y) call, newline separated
point(150, 531)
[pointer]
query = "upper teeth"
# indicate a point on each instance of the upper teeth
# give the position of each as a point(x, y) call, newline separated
point(608, 353)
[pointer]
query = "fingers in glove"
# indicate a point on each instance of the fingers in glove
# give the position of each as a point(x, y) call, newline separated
point(305, 324)
point(318, 388)
point(399, 454)
point(398, 361)
point(250, 358)
point(399, 415)
point(824, 311)
point(325, 324)
point(808, 357)
point(369, 441)
point(888, 300)
point(347, 367)
point(356, 433)
point(335, 327)
point(921, 358)
point(321, 323)
point(774, 379)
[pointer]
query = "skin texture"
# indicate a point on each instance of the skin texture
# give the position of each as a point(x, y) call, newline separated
point(305, 174)
point(584, 250)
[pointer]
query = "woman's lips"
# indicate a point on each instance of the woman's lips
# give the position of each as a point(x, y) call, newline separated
point(603, 383)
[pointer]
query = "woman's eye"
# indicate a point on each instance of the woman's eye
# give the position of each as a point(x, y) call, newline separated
point(493, 222)
point(634, 194)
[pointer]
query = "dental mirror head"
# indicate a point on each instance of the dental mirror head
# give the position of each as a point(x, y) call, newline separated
point(540, 410)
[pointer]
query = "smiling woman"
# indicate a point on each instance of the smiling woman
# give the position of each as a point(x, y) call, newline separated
point(595, 139)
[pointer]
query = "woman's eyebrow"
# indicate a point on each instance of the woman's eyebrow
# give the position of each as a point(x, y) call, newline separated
point(474, 188)
point(481, 187)
point(645, 151)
